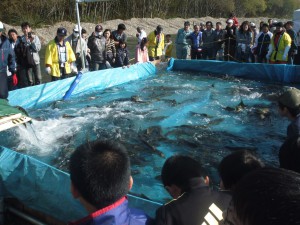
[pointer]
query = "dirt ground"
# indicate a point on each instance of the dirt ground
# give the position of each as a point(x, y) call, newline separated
point(170, 26)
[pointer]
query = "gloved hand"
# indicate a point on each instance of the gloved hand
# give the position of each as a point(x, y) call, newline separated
point(48, 70)
point(14, 79)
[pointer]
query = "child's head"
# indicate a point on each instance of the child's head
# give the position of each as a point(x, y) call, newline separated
point(236, 165)
point(289, 103)
point(122, 44)
point(177, 173)
point(168, 37)
point(100, 173)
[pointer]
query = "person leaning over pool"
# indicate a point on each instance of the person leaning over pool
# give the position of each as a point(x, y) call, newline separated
point(100, 180)
point(235, 166)
point(267, 196)
point(186, 181)
point(289, 106)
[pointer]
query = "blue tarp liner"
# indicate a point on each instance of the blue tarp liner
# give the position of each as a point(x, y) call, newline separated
point(45, 188)
point(90, 82)
point(255, 71)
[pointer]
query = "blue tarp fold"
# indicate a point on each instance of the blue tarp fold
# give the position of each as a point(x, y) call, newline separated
point(90, 82)
point(255, 71)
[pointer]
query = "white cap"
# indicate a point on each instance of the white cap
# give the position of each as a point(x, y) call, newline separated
point(252, 24)
point(274, 21)
point(229, 21)
point(1, 26)
point(76, 28)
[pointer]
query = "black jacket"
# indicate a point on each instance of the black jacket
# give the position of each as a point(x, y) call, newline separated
point(191, 207)
point(122, 58)
point(97, 48)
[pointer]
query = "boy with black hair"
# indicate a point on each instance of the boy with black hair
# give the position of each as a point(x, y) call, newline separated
point(186, 181)
point(100, 179)
point(268, 196)
point(235, 166)
point(119, 34)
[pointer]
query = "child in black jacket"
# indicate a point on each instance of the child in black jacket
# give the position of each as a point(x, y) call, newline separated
point(122, 58)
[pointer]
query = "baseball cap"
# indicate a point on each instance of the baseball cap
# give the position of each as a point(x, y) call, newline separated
point(290, 98)
point(229, 21)
point(61, 31)
point(252, 24)
point(1, 26)
point(98, 28)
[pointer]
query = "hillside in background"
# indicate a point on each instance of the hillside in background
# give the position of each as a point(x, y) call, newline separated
point(46, 12)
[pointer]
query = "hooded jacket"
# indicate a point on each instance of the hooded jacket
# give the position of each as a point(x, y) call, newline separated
point(7, 57)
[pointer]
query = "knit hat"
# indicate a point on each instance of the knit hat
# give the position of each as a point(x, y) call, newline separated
point(1, 26)
point(290, 98)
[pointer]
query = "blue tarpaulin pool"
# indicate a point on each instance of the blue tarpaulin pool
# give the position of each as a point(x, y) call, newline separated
point(154, 113)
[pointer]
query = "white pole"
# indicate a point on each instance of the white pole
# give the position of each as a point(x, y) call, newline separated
point(80, 38)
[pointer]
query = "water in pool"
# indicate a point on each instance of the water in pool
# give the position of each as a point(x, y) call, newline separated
point(206, 117)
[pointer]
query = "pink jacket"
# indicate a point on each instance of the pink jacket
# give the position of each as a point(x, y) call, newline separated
point(141, 56)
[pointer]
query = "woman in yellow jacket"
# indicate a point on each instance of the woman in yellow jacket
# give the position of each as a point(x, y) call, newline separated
point(280, 46)
point(156, 43)
point(60, 58)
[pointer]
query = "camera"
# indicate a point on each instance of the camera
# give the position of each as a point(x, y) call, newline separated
point(29, 35)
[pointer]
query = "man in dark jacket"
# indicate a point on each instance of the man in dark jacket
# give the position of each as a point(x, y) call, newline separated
point(293, 50)
point(96, 44)
point(209, 40)
point(6, 60)
point(219, 43)
point(100, 180)
point(185, 180)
